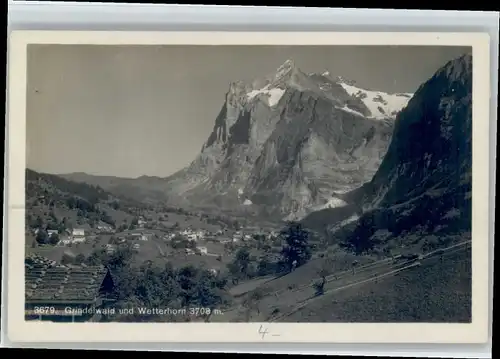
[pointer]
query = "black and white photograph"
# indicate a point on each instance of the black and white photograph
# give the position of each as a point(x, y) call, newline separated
point(171, 183)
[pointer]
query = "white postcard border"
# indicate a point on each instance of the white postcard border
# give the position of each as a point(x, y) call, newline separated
point(19, 330)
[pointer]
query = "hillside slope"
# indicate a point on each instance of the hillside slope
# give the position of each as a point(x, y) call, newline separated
point(437, 292)
point(53, 202)
point(142, 189)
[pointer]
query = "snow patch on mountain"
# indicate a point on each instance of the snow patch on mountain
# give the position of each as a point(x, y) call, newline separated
point(333, 202)
point(381, 105)
point(347, 109)
point(273, 95)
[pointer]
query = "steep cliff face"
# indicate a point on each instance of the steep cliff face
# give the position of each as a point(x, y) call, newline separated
point(425, 177)
point(287, 143)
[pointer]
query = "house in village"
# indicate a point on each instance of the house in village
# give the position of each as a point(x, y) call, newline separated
point(73, 236)
point(71, 294)
point(110, 248)
point(210, 236)
point(140, 236)
point(141, 222)
point(192, 235)
point(105, 229)
point(134, 235)
point(121, 239)
point(136, 246)
point(169, 236)
point(77, 235)
point(202, 250)
point(237, 237)
point(146, 236)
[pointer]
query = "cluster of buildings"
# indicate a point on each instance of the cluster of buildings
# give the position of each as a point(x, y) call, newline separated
point(105, 229)
point(135, 235)
point(76, 235)
point(198, 250)
point(219, 236)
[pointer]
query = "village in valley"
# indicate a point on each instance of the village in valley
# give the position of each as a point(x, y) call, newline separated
point(149, 242)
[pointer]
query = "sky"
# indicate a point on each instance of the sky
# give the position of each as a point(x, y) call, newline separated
point(128, 111)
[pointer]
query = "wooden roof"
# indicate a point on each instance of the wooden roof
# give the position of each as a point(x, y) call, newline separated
point(47, 282)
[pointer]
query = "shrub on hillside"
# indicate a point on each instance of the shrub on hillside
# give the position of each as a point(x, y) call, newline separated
point(54, 239)
point(42, 237)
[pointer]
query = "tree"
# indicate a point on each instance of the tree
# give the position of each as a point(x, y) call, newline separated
point(95, 258)
point(119, 259)
point(242, 262)
point(42, 237)
point(243, 266)
point(54, 239)
point(296, 250)
point(266, 266)
point(208, 292)
point(63, 225)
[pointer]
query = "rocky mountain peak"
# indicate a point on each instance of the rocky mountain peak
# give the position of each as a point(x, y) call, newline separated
point(285, 68)
point(458, 69)
point(238, 88)
point(286, 141)
point(342, 80)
